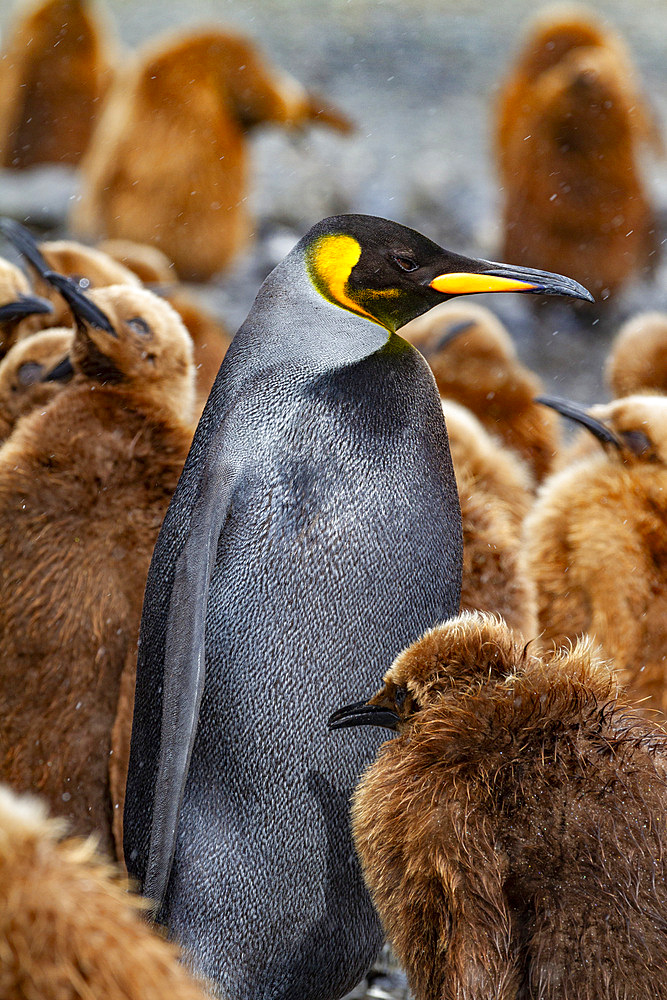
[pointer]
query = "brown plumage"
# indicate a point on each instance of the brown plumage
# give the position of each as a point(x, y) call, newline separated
point(168, 161)
point(21, 311)
point(55, 70)
point(596, 545)
point(69, 928)
point(83, 489)
point(570, 121)
point(495, 491)
point(23, 383)
point(93, 267)
point(210, 338)
point(513, 836)
point(475, 363)
point(150, 264)
point(637, 361)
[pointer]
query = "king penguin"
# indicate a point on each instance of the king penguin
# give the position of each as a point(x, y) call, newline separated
point(314, 533)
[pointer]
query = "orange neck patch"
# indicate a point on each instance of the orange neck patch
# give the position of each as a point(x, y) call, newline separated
point(329, 261)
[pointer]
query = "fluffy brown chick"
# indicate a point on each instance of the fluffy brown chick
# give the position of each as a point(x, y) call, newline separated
point(84, 485)
point(21, 311)
point(31, 375)
point(475, 363)
point(556, 31)
point(495, 492)
point(574, 196)
point(596, 544)
point(637, 361)
point(69, 928)
point(95, 268)
point(55, 70)
point(168, 163)
point(513, 835)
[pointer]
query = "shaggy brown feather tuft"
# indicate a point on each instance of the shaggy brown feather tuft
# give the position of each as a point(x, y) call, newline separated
point(69, 928)
point(513, 835)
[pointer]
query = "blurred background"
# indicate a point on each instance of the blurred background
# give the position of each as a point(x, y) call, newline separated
point(420, 79)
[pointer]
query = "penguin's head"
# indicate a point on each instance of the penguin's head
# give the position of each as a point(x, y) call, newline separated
point(32, 373)
point(455, 658)
point(391, 274)
point(632, 429)
point(17, 303)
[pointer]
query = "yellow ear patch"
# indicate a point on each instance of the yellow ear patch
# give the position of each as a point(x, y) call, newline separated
point(330, 260)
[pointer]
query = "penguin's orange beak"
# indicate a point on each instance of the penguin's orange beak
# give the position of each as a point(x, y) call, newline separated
point(492, 277)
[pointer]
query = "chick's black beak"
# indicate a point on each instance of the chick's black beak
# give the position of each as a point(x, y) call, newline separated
point(577, 413)
point(62, 372)
point(363, 714)
point(84, 309)
point(25, 243)
point(24, 305)
point(487, 276)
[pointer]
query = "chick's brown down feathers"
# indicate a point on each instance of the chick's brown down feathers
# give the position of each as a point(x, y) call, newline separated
point(475, 363)
point(69, 929)
point(596, 547)
point(513, 835)
point(84, 485)
point(168, 161)
point(568, 141)
point(55, 70)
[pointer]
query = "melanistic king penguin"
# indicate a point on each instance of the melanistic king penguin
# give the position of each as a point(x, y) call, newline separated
point(315, 532)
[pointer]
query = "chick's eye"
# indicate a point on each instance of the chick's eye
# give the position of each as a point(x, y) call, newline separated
point(637, 442)
point(405, 263)
point(29, 373)
point(400, 695)
point(139, 325)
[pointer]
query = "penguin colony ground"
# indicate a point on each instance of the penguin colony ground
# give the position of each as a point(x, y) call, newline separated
point(314, 534)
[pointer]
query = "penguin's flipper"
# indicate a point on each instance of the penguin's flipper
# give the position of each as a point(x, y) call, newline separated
point(184, 671)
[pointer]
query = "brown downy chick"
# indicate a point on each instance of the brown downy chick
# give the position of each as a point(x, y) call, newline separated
point(637, 361)
point(31, 375)
point(95, 268)
point(168, 161)
point(552, 35)
point(21, 311)
point(596, 543)
point(150, 265)
point(55, 70)
point(69, 928)
point(84, 486)
point(495, 491)
point(475, 363)
point(89, 267)
point(574, 195)
point(513, 836)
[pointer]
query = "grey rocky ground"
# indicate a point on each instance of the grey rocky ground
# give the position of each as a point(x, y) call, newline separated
point(419, 77)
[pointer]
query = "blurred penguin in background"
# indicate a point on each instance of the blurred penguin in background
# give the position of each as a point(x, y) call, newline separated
point(596, 543)
point(637, 361)
point(496, 492)
point(513, 834)
point(55, 69)
point(168, 164)
point(84, 484)
point(475, 363)
point(571, 122)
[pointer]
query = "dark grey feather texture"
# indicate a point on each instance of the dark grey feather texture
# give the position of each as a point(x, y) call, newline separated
point(318, 514)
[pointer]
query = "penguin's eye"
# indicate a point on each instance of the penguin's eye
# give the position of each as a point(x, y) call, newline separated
point(140, 326)
point(638, 443)
point(404, 262)
point(29, 373)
